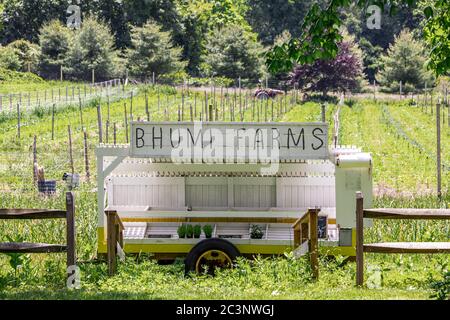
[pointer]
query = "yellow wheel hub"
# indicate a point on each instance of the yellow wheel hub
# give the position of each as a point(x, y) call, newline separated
point(212, 260)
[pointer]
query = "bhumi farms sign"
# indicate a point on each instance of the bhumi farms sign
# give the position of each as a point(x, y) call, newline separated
point(242, 142)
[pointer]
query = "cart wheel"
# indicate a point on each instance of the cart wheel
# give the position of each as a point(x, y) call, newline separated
point(209, 255)
point(263, 95)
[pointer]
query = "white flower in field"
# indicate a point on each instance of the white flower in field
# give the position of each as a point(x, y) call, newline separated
point(275, 293)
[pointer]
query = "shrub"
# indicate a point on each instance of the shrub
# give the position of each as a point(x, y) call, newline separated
point(9, 59)
point(28, 54)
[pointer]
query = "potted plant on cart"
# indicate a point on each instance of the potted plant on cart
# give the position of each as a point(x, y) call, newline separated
point(256, 232)
point(197, 231)
point(189, 231)
point(208, 230)
point(181, 231)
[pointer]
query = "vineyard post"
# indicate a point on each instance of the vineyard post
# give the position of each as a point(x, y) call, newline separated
point(211, 113)
point(93, 76)
point(109, 107)
point(115, 133)
point(146, 106)
point(10, 103)
point(439, 168)
point(126, 122)
point(401, 89)
point(61, 73)
point(206, 107)
point(53, 122)
point(70, 149)
point(324, 117)
point(81, 114)
point(34, 160)
point(191, 113)
point(107, 131)
point(131, 106)
point(100, 125)
point(374, 90)
point(86, 155)
point(18, 121)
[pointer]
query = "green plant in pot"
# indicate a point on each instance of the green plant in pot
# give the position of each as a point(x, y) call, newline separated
point(208, 230)
point(256, 232)
point(189, 231)
point(197, 231)
point(182, 231)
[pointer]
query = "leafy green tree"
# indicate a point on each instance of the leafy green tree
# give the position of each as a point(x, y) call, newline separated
point(232, 52)
point(22, 19)
point(54, 40)
point(92, 49)
point(28, 54)
point(152, 50)
point(322, 34)
point(405, 62)
point(9, 59)
point(269, 18)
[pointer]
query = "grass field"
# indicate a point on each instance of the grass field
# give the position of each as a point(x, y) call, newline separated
point(403, 177)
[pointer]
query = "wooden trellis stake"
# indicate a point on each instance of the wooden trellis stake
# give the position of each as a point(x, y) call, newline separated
point(35, 164)
point(86, 156)
point(126, 122)
point(100, 124)
point(53, 122)
point(70, 149)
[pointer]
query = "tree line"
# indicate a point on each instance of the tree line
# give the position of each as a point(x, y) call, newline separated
point(200, 38)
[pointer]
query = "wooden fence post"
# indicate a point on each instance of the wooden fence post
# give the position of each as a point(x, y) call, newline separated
point(324, 115)
point(70, 149)
point(71, 231)
point(53, 122)
point(35, 160)
point(86, 156)
point(18, 121)
point(438, 151)
point(126, 122)
point(313, 240)
point(115, 133)
point(111, 242)
point(100, 125)
point(359, 239)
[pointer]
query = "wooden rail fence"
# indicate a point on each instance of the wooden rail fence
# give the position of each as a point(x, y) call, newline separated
point(306, 234)
point(394, 247)
point(38, 214)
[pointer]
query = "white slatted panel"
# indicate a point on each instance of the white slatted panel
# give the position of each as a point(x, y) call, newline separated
point(306, 192)
point(146, 191)
point(254, 192)
point(206, 192)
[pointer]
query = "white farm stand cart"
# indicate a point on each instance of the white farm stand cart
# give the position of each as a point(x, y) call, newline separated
point(153, 189)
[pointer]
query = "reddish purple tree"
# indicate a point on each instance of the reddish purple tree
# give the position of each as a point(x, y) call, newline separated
point(338, 74)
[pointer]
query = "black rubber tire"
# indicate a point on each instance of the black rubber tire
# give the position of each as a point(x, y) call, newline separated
point(206, 245)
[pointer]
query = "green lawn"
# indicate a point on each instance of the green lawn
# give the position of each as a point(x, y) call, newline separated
point(399, 170)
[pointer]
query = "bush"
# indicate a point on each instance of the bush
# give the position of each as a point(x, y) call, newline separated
point(232, 52)
point(18, 77)
point(28, 54)
point(152, 50)
point(189, 231)
point(9, 59)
